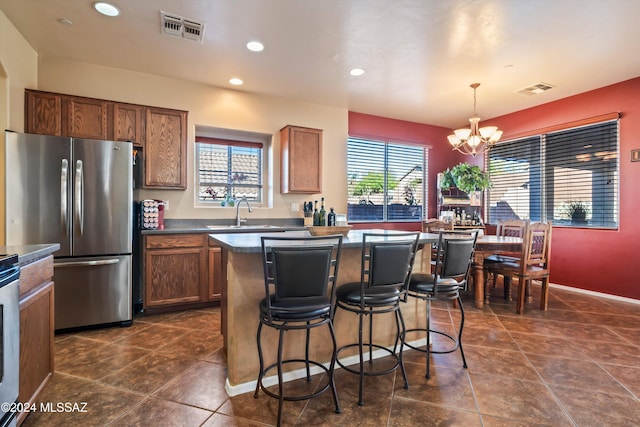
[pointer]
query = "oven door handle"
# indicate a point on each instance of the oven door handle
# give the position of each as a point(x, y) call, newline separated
point(86, 263)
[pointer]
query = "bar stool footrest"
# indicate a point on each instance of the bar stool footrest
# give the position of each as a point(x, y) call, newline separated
point(296, 398)
point(370, 373)
point(424, 350)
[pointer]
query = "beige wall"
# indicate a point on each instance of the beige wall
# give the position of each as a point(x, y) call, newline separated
point(18, 69)
point(215, 107)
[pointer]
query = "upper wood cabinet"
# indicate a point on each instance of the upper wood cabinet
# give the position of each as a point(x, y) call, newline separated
point(43, 113)
point(86, 118)
point(165, 149)
point(160, 132)
point(127, 123)
point(301, 154)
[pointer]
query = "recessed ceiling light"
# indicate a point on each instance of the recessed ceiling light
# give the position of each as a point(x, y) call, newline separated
point(65, 21)
point(255, 46)
point(235, 81)
point(106, 9)
point(356, 72)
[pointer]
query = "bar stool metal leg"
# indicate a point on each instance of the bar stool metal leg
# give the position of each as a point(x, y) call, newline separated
point(261, 359)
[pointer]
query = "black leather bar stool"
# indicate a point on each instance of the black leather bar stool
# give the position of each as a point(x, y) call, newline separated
point(453, 262)
point(387, 260)
point(299, 278)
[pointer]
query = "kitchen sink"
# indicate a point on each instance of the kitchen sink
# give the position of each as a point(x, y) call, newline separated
point(241, 227)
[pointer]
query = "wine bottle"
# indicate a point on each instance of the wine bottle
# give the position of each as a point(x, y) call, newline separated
point(323, 213)
point(331, 218)
point(316, 215)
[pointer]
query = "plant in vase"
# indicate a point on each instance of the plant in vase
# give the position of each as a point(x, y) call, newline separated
point(470, 178)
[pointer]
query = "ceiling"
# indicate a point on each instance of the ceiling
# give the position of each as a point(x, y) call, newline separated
point(419, 56)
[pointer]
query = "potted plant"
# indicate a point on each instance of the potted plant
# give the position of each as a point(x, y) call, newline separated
point(447, 180)
point(470, 178)
point(576, 211)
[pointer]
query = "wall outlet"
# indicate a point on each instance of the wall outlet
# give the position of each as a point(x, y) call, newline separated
point(166, 205)
point(295, 207)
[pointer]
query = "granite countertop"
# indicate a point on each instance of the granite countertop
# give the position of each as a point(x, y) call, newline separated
point(30, 253)
point(253, 225)
point(251, 243)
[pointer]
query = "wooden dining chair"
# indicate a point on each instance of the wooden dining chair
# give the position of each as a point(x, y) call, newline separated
point(509, 228)
point(432, 225)
point(533, 264)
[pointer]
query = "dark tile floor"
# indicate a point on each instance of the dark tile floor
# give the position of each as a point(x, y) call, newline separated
point(577, 364)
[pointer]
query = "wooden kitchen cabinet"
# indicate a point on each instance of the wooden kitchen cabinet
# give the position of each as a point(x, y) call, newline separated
point(86, 117)
point(43, 113)
point(127, 123)
point(160, 132)
point(301, 155)
point(215, 273)
point(175, 271)
point(36, 329)
point(165, 161)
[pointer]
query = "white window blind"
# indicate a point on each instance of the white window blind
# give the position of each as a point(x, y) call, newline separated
point(569, 177)
point(386, 181)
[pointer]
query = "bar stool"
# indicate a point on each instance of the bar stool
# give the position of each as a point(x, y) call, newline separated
point(453, 261)
point(387, 260)
point(300, 275)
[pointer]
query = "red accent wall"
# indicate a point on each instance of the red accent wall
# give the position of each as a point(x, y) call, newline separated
point(598, 260)
point(594, 259)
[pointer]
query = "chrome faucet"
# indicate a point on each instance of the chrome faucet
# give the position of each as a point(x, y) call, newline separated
point(238, 220)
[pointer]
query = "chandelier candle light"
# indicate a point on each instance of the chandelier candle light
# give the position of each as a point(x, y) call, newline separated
point(473, 140)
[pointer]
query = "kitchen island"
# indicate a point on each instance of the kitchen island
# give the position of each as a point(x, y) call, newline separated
point(244, 288)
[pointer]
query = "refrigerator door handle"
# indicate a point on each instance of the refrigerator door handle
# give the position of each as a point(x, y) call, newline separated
point(86, 263)
point(64, 173)
point(79, 196)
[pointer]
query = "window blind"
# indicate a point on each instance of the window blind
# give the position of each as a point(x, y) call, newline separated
point(385, 181)
point(569, 177)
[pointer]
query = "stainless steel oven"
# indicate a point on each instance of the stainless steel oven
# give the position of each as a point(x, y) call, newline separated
point(9, 338)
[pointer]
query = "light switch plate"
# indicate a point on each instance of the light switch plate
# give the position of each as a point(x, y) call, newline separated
point(295, 207)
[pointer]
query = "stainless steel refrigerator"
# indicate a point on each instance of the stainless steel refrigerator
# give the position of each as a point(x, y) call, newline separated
point(78, 193)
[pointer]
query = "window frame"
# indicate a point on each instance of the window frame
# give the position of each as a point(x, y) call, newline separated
point(230, 144)
point(388, 194)
point(550, 157)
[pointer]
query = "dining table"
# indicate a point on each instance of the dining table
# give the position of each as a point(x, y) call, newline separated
point(485, 246)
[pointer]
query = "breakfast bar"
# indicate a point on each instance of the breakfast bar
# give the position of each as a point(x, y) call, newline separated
point(244, 289)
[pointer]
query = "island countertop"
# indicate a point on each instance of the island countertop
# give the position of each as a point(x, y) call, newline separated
point(250, 243)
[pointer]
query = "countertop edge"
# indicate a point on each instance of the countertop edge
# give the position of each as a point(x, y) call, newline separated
point(30, 253)
point(248, 243)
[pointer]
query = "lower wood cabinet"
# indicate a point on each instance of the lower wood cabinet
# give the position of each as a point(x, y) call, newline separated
point(215, 272)
point(36, 329)
point(180, 269)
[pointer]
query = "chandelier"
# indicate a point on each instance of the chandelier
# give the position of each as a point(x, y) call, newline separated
point(474, 140)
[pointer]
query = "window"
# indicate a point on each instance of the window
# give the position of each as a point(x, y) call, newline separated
point(385, 181)
point(228, 170)
point(569, 177)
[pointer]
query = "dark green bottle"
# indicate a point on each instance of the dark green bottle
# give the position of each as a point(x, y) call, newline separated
point(316, 215)
point(323, 213)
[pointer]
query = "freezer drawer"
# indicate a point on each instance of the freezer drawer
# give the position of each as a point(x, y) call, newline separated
point(92, 291)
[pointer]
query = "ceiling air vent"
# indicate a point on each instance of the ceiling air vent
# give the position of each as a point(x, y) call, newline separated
point(535, 89)
point(177, 26)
